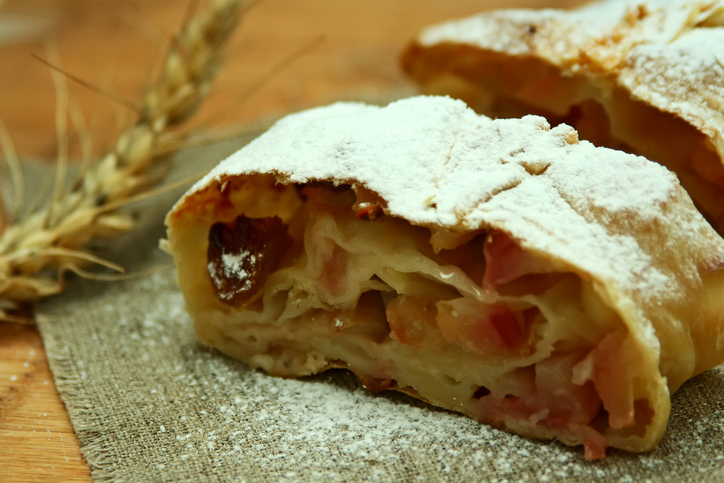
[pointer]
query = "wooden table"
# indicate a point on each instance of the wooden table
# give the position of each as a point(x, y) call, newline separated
point(117, 44)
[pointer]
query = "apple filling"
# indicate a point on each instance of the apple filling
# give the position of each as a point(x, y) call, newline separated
point(317, 276)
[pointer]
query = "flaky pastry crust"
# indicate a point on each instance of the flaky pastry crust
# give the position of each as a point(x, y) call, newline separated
point(501, 269)
point(645, 76)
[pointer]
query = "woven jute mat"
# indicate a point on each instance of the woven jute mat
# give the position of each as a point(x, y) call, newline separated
point(150, 403)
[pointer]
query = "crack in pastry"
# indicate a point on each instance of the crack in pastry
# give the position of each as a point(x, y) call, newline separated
point(644, 76)
point(565, 301)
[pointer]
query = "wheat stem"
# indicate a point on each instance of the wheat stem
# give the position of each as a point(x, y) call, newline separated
point(36, 251)
point(84, 138)
point(61, 126)
point(104, 92)
point(16, 173)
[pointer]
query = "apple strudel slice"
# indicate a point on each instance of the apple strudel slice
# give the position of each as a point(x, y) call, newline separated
point(501, 269)
point(643, 76)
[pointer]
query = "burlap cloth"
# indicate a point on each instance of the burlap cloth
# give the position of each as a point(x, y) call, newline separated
point(150, 403)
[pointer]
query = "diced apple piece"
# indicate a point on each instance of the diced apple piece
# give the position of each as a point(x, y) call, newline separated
point(412, 322)
point(507, 261)
point(327, 261)
point(607, 366)
point(482, 328)
point(570, 404)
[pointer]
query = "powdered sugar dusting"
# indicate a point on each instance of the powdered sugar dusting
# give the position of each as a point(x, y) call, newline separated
point(684, 76)
point(666, 53)
point(558, 34)
point(436, 162)
point(233, 263)
point(232, 267)
point(522, 31)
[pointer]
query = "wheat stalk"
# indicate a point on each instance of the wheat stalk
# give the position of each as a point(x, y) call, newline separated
point(36, 250)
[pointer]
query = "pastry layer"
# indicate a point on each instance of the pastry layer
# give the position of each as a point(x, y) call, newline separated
point(641, 76)
point(489, 267)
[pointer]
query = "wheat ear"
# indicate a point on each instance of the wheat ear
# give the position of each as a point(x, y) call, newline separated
point(37, 249)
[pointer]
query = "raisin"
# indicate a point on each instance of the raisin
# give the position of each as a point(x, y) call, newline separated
point(242, 254)
point(481, 392)
point(369, 212)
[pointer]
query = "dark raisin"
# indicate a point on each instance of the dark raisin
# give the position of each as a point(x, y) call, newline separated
point(481, 392)
point(370, 212)
point(242, 254)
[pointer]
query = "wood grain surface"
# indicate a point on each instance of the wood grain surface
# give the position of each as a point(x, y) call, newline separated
point(117, 45)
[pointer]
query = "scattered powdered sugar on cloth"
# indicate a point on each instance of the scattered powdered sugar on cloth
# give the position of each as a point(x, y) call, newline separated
point(150, 403)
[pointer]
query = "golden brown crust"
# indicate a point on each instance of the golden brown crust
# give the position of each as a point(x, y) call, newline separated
point(589, 285)
point(642, 76)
